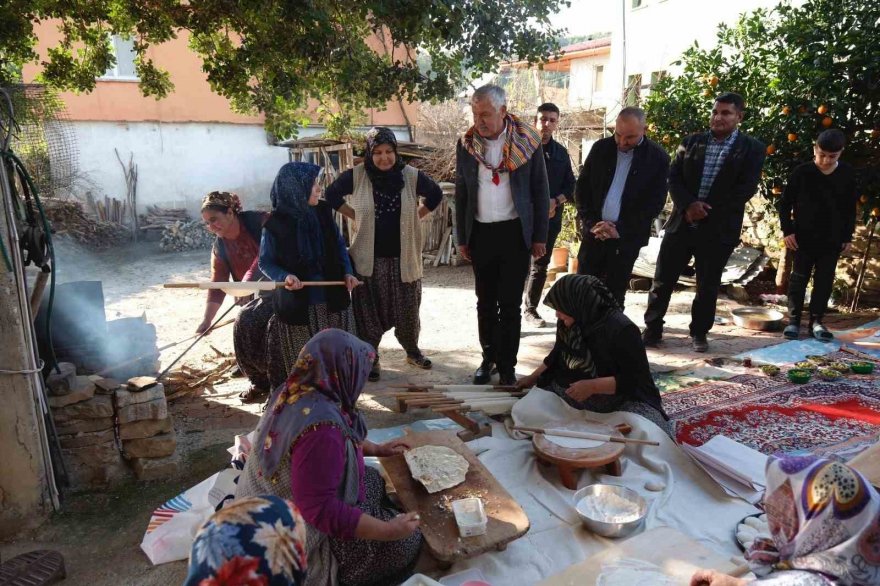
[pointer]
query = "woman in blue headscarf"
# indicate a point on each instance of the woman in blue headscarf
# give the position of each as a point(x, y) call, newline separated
point(301, 242)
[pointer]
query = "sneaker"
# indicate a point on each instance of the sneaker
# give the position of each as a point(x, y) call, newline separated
point(701, 344)
point(533, 319)
point(484, 372)
point(652, 337)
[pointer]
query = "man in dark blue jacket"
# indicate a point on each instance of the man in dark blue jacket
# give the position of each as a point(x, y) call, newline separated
point(712, 177)
point(560, 178)
point(621, 189)
point(501, 216)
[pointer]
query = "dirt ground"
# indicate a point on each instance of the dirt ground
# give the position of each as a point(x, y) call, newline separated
point(99, 532)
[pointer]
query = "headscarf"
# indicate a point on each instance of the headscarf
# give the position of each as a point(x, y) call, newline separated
point(824, 517)
point(521, 140)
point(254, 541)
point(323, 387)
point(589, 302)
point(387, 183)
point(222, 201)
point(290, 197)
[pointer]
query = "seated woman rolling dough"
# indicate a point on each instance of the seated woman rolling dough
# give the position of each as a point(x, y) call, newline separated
point(598, 362)
point(310, 448)
point(824, 520)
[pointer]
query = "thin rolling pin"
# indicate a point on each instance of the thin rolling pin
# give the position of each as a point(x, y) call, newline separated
point(222, 284)
point(588, 435)
point(458, 388)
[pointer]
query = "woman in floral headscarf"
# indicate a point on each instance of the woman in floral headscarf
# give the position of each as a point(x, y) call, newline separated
point(310, 447)
point(381, 196)
point(301, 242)
point(824, 520)
point(257, 541)
point(235, 255)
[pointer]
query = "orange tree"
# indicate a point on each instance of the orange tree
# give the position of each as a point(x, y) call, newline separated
point(801, 70)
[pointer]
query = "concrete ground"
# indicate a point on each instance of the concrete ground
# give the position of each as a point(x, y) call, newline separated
point(99, 532)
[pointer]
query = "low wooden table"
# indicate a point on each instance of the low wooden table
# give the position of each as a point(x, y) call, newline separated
point(571, 460)
point(507, 520)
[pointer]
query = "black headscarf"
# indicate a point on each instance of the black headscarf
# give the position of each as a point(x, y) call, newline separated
point(387, 183)
point(589, 302)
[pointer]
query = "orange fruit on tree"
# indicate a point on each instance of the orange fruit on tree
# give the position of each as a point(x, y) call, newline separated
point(875, 212)
point(771, 149)
point(863, 199)
point(792, 137)
point(713, 81)
point(822, 109)
point(786, 111)
point(707, 93)
point(776, 190)
point(802, 109)
point(827, 121)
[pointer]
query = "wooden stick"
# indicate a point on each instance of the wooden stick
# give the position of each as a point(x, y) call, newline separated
point(588, 435)
point(459, 388)
point(855, 352)
point(244, 284)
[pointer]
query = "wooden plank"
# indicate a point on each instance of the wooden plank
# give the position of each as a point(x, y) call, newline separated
point(507, 520)
point(677, 554)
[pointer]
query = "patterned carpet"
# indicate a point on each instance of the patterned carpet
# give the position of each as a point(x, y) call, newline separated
point(773, 415)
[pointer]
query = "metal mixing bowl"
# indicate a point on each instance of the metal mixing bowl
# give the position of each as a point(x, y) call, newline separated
point(757, 318)
point(611, 529)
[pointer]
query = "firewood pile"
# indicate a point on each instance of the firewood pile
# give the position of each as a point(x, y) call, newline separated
point(68, 219)
point(181, 236)
point(188, 380)
point(439, 164)
point(157, 219)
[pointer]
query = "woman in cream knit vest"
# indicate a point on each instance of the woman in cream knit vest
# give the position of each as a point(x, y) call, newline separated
point(381, 197)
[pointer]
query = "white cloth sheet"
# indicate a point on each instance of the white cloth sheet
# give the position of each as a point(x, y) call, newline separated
point(691, 501)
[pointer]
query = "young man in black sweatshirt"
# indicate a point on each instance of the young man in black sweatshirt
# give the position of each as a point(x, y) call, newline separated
point(817, 212)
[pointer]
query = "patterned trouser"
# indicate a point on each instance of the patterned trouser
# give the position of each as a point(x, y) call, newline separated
point(284, 341)
point(249, 339)
point(367, 562)
point(384, 302)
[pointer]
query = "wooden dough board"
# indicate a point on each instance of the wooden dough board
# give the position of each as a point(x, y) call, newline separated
point(868, 464)
point(507, 520)
point(677, 554)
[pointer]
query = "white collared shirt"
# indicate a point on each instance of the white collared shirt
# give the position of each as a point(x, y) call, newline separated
point(494, 202)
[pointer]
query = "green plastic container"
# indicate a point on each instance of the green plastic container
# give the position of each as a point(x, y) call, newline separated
point(862, 367)
point(799, 375)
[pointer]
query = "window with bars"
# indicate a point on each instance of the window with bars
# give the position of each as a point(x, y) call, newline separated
point(124, 68)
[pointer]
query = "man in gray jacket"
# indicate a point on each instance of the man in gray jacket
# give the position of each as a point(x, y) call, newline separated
point(502, 203)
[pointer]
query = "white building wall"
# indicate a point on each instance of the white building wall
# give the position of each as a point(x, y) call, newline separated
point(582, 94)
point(178, 163)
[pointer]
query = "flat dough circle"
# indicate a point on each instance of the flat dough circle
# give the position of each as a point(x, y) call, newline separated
point(575, 443)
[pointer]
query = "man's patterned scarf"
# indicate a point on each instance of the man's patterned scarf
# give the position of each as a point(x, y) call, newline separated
point(521, 141)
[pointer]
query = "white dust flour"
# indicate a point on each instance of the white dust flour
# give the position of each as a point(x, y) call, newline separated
point(628, 571)
point(608, 508)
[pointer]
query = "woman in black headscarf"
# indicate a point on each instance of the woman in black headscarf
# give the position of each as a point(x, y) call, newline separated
point(598, 362)
point(301, 242)
point(381, 197)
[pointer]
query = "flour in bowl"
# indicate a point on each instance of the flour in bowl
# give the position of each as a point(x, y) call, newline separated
point(608, 508)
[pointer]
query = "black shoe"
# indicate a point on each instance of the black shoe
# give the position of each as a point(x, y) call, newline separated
point(483, 374)
point(374, 372)
point(701, 344)
point(652, 337)
point(507, 378)
point(534, 319)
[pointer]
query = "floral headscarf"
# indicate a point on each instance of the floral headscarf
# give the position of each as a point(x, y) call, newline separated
point(324, 387)
point(824, 518)
point(390, 182)
point(222, 201)
point(255, 541)
point(290, 197)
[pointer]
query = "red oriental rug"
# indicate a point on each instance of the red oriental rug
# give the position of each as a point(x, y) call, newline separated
point(773, 415)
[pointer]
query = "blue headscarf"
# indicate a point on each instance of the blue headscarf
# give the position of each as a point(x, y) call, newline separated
point(255, 541)
point(290, 197)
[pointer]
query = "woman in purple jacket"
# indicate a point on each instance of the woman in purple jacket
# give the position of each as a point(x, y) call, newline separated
point(310, 448)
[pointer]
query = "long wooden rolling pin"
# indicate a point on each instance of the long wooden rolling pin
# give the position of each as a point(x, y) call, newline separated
point(456, 388)
point(255, 285)
point(587, 435)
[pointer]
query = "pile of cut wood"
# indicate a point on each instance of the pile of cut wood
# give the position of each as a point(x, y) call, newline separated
point(68, 219)
point(157, 218)
point(188, 380)
point(186, 236)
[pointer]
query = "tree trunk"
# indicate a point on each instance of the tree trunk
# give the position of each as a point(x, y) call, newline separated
point(24, 484)
point(783, 271)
